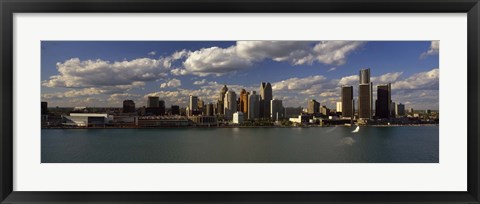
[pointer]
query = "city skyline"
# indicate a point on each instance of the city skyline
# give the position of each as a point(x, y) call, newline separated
point(297, 70)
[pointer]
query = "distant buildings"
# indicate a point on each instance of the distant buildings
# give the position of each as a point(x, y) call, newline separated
point(221, 102)
point(293, 112)
point(324, 111)
point(365, 95)
point(276, 109)
point(347, 102)
point(238, 117)
point(175, 110)
point(382, 105)
point(400, 110)
point(44, 108)
point(230, 104)
point(339, 107)
point(253, 106)
point(209, 109)
point(313, 107)
point(152, 102)
point(265, 97)
point(128, 106)
point(244, 101)
point(193, 105)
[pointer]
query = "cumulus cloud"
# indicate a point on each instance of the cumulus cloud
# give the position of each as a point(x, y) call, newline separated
point(152, 53)
point(172, 83)
point(428, 80)
point(433, 50)
point(74, 73)
point(200, 82)
point(298, 83)
point(220, 61)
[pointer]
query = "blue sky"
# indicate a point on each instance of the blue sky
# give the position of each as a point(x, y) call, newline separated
point(98, 73)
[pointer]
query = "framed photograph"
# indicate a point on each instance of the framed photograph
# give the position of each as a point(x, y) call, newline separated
point(240, 101)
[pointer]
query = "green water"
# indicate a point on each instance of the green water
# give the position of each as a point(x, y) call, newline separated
point(410, 144)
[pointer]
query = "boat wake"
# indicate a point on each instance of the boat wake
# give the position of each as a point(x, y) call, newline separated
point(356, 129)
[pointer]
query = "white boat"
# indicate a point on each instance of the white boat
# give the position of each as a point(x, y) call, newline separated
point(356, 129)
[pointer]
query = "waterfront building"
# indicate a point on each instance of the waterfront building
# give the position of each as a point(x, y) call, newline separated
point(193, 105)
point(410, 110)
point(161, 121)
point(128, 106)
point(324, 111)
point(383, 103)
point(201, 105)
point(87, 119)
point(152, 102)
point(203, 120)
point(175, 109)
point(230, 104)
point(339, 107)
point(392, 110)
point(313, 107)
point(348, 109)
point(209, 109)
point(266, 96)
point(238, 117)
point(365, 99)
point(276, 109)
point(244, 101)
point(400, 110)
point(221, 102)
point(253, 106)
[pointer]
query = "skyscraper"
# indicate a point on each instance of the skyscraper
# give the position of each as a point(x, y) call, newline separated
point(128, 106)
point(193, 105)
point(209, 109)
point(365, 95)
point(400, 110)
point(276, 109)
point(175, 110)
point(324, 110)
point(364, 108)
point(253, 106)
point(152, 102)
point(230, 104)
point(44, 108)
point(347, 102)
point(220, 102)
point(244, 101)
point(339, 107)
point(313, 107)
point(265, 98)
point(382, 108)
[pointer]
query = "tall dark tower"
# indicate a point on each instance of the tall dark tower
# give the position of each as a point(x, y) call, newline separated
point(365, 95)
point(383, 109)
point(347, 102)
point(265, 98)
point(220, 102)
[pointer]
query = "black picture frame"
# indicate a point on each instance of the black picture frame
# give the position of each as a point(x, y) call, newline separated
point(9, 7)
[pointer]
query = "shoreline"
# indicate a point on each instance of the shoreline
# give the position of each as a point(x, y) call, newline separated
point(207, 127)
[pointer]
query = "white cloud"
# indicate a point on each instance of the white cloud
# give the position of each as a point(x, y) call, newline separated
point(171, 83)
point(349, 80)
point(200, 82)
point(424, 80)
point(152, 53)
point(298, 83)
point(335, 52)
point(387, 78)
point(214, 61)
point(74, 73)
point(332, 69)
point(433, 50)
point(220, 61)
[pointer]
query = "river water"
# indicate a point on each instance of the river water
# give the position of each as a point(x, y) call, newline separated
point(400, 144)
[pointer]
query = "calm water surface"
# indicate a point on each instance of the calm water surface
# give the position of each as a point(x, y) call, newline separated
point(234, 145)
